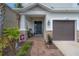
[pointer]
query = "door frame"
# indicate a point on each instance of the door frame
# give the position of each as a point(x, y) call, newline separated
point(41, 23)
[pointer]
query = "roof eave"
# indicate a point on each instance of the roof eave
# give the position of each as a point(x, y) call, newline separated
point(53, 10)
point(65, 10)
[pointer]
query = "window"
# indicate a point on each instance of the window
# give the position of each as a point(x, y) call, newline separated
point(78, 4)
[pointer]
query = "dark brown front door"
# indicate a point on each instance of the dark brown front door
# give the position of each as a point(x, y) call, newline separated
point(63, 29)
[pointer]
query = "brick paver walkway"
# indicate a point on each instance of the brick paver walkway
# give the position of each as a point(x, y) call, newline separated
point(39, 48)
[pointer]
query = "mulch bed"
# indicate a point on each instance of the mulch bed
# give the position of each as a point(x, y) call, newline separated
point(51, 46)
point(54, 47)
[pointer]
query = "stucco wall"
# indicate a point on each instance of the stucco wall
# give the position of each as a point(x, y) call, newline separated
point(61, 16)
point(11, 18)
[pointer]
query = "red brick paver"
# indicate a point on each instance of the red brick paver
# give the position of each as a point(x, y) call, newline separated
point(39, 48)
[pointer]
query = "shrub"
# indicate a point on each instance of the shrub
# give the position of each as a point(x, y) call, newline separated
point(24, 49)
point(12, 33)
point(10, 36)
point(49, 40)
point(18, 5)
point(29, 33)
point(21, 53)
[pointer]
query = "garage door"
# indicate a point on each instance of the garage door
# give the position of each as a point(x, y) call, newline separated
point(63, 29)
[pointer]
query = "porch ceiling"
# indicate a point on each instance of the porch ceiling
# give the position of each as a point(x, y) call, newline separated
point(36, 17)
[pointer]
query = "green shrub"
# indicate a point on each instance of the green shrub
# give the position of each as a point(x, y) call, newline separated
point(21, 53)
point(49, 40)
point(10, 36)
point(29, 33)
point(11, 33)
point(18, 5)
point(25, 49)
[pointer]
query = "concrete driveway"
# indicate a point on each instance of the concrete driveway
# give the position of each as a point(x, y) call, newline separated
point(68, 48)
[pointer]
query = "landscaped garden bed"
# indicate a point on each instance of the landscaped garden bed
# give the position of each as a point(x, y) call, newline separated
point(51, 45)
point(10, 45)
point(0, 47)
point(25, 49)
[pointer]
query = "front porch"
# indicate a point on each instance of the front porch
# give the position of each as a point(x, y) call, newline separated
point(35, 24)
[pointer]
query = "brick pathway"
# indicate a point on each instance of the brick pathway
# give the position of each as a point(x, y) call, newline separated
point(39, 48)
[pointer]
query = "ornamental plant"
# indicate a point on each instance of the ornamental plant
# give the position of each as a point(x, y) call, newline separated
point(10, 37)
point(49, 40)
point(12, 33)
point(19, 5)
point(25, 49)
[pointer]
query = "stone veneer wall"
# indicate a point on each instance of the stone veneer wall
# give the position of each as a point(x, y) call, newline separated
point(48, 33)
point(51, 34)
point(78, 36)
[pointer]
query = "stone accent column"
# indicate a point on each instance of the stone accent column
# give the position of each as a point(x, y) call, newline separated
point(23, 35)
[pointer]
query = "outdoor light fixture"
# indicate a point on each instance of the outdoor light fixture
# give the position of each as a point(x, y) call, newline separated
point(66, 18)
point(48, 23)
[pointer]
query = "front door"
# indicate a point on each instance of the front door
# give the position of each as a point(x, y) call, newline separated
point(38, 27)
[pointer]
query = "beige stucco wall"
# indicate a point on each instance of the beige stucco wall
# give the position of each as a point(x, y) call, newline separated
point(11, 18)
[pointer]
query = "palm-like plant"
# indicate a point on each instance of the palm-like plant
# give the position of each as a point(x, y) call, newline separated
point(11, 35)
point(19, 5)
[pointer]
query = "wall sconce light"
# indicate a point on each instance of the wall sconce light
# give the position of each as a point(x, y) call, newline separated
point(48, 23)
point(66, 18)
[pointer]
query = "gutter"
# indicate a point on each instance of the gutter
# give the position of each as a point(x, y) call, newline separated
point(53, 10)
